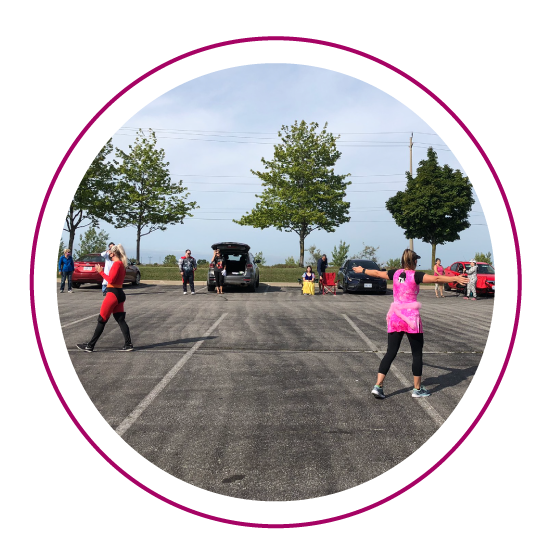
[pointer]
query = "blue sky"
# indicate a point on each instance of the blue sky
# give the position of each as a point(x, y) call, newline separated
point(216, 128)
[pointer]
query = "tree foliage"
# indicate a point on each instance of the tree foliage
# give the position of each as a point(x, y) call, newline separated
point(481, 257)
point(314, 254)
point(146, 199)
point(393, 263)
point(290, 261)
point(367, 253)
point(170, 261)
point(91, 242)
point(260, 256)
point(340, 253)
point(93, 198)
point(202, 262)
point(435, 205)
point(301, 191)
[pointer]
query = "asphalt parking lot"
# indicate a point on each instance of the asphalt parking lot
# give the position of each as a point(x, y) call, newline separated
point(266, 395)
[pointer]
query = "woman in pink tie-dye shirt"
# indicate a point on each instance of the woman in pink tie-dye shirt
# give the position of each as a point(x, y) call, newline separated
point(404, 317)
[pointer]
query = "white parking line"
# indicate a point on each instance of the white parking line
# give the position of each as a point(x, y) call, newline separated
point(267, 288)
point(430, 410)
point(142, 406)
point(82, 320)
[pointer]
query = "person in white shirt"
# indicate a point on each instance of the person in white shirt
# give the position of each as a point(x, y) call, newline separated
point(107, 265)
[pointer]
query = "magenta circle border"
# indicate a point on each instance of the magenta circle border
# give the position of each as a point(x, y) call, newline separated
point(212, 47)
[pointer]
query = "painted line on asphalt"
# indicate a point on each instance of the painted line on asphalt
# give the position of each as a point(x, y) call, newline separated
point(81, 320)
point(143, 405)
point(266, 289)
point(430, 410)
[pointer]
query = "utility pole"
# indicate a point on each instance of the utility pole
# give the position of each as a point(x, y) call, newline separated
point(411, 174)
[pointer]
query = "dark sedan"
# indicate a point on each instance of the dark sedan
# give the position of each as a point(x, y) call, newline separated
point(352, 282)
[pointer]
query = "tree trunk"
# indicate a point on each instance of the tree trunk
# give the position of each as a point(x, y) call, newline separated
point(138, 246)
point(302, 247)
point(433, 256)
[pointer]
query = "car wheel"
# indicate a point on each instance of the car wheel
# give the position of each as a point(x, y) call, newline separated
point(258, 281)
point(447, 287)
point(339, 286)
point(76, 285)
point(252, 288)
point(137, 279)
point(210, 288)
point(383, 292)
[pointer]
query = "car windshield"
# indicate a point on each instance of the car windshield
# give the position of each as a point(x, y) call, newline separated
point(366, 264)
point(94, 258)
point(485, 268)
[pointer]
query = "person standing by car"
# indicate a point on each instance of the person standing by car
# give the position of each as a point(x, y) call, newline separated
point(308, 282)
point(107, 265)
point(219, 263)
point(404, 318)
point(66, 268)
point(322, 264)
point(472, 273)
point(113, 301)
point(187, 266)
point(439, 270)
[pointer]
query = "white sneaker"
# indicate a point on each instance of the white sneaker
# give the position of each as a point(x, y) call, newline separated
point(185, 292)
point(193, 293)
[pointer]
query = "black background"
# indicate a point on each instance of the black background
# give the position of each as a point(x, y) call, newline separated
point(69, 90)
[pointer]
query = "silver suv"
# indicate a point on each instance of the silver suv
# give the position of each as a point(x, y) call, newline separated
point(241, 267)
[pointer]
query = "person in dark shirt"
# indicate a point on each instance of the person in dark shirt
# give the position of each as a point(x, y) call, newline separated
point(404, 317)
point(66, 268)
point(322, 264)
point(187, 267)
point(219, 263)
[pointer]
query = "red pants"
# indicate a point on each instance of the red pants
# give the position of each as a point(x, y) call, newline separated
point(110, 305)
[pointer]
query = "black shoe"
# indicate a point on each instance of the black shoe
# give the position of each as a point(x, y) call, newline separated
point(103, 294)
point(85, 347)
point(127, 348)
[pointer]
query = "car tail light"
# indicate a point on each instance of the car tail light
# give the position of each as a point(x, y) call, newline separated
point(249, 266)
point(211, 266)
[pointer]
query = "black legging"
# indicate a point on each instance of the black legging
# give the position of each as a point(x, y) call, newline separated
point(416, 341)
point(219, 278)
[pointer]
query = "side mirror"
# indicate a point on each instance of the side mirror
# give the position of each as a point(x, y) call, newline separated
point(258, 261)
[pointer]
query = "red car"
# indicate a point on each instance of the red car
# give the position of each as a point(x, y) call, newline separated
point(84, 271)
point(486, 277)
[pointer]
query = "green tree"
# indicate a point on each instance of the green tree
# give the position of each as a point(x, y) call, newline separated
point(314, 254)
point(290, 261)
point(301, 192)
point(435, 205)
point(146, 199)
point(260, 256)
point(92, 241)
point(340, 253)
point(481, 257)
point(170, 261)
point(367, 253)
point(93, 198)
point(202, 262)
point(393, 264)
point(62, 246)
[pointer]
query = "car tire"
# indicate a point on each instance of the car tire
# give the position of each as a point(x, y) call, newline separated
point(447, 287)
point(339, 286)
point(383, 292)
point(76, 285)
point(258, 281)
point(210, 288)
point(137, 280)
point(252, 288)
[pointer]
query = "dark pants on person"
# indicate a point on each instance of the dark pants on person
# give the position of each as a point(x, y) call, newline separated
point(64, 275)
point(416, 341)
point(111, 306)
point(187, 277)
point(219, 278)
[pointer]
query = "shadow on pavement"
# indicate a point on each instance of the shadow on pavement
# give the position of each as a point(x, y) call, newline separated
point(175, 342)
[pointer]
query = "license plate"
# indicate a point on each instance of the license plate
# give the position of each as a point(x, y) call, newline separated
point(87, 268)
point(368, 285)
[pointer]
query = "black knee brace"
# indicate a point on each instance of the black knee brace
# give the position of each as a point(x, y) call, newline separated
point(119, 316)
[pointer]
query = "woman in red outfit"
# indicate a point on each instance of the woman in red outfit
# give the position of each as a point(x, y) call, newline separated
point(113, 301)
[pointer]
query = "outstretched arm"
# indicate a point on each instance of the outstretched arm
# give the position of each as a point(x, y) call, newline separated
point(371, 272)
point(445, 279)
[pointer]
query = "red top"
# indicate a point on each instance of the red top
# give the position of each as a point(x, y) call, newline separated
point(116, 276)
